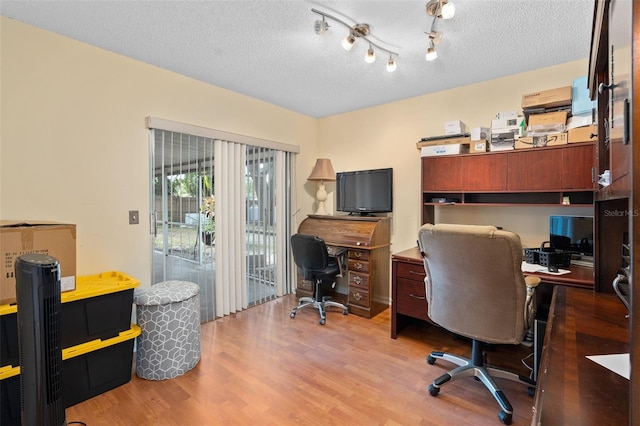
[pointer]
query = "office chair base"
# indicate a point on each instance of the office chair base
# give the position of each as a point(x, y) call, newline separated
point(319, 305)
point(482, 372)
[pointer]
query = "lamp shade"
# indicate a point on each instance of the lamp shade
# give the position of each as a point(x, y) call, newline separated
point(323, 170)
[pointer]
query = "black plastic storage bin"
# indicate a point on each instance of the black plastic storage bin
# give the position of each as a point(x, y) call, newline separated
point(98, 309)
point(87, 370)
point(96, 367)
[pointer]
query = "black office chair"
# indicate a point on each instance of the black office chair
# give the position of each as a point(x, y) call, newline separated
point(314, 263)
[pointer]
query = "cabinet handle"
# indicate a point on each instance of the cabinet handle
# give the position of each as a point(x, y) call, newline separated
point(358, 266)
point(625, 132)
point(357, 296)
point(602, 87)
point(357, 254)
point(417, 297)
point(416, 273)
point(357, 280)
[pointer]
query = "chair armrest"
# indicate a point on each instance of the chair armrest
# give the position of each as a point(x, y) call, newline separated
point(530, 302)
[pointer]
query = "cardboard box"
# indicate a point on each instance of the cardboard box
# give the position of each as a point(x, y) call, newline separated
point(548, 118)
point(480, 133)
point(548, 98)
point(51, 238)
point(541, 141)
point(479, 146)
point(583, 134)
point(452, 149)
point(454, 127)
point(444, 141)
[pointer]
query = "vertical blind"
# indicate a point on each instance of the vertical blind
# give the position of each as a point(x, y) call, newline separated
point(254, 214)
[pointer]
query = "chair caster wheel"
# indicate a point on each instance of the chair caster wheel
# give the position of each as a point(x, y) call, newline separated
point(292, 314)
point(505, 417)
point(345, 312)
point(433, 391)
point(531, 391)
point(322, 321)
point(430, 360)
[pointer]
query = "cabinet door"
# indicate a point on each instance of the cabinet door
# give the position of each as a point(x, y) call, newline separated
point(441, 174)
point(484, 172)
point(577, 165)
point(620, 69)
point(539, 170)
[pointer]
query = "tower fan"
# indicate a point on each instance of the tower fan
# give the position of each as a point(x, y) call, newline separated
point(39, 340)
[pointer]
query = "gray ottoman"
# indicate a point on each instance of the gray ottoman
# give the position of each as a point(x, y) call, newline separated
point(168, 314)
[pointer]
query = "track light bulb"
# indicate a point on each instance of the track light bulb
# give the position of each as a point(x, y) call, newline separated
point(320, 26)
point(448, 10)
point(371, 56)
point(348, 42)
point(431, 53)
point(391, 64)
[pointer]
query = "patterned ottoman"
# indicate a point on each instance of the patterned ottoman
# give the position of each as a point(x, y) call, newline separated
point(169, 315)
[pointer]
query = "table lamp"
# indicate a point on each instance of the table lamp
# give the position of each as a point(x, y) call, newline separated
point(322, 171)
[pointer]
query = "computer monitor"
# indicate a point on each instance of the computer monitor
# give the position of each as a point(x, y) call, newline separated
point(572, 233)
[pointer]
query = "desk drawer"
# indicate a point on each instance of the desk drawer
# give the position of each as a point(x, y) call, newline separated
point(359, 254)
point(411, 298)
point(359, 266)
point(359, 280)
point(411, 271)
point(359, 296)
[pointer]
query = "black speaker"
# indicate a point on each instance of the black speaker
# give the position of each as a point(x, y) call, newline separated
point(39, 340)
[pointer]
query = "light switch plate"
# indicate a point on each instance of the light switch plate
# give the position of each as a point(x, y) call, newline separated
point(134, 218)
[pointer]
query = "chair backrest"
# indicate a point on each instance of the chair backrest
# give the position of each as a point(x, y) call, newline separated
point(474, 281)
point(309, 252)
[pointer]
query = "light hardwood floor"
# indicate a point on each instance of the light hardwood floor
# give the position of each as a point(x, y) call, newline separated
point(260, 367)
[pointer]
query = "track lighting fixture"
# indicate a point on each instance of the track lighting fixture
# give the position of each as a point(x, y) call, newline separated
point(431, 52)
point(357, 31)
point(321, 26)
point(439, 9)
point(443, 9)
point(391, 64)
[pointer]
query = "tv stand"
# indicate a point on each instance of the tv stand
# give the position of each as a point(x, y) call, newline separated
point(367, 240)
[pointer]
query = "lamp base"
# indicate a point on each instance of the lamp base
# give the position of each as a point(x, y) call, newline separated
point(321, 196)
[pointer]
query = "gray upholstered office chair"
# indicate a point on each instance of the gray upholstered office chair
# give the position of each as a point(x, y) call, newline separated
point(475, 288)
point(312, 258)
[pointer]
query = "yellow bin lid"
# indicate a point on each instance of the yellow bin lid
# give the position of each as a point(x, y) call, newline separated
point(89, 286)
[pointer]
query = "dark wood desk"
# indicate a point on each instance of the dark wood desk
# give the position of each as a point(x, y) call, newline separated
point(573, 390)
point(408, 300)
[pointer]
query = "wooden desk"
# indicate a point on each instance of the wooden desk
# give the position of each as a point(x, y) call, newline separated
point(573, 390)
point(367, 240)
point(408, 295)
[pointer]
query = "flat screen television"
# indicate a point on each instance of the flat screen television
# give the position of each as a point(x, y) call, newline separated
point(365, 191)
point(572, 233)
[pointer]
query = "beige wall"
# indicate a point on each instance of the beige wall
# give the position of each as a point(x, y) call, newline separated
point(74, 146)
point(386, 136)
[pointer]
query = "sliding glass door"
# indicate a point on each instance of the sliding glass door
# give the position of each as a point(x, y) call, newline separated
point(221, 219)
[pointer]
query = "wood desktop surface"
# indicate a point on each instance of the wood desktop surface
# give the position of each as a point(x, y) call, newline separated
point(571, 389)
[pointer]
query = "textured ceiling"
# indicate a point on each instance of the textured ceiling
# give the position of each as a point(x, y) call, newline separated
point(268, 49)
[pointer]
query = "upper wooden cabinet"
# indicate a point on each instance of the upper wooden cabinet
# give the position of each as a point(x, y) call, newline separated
point(441, 174)
point(484, 173)
point(533, 170)
point(540, 176)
